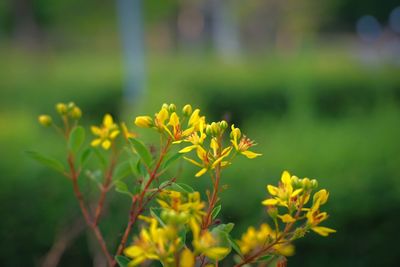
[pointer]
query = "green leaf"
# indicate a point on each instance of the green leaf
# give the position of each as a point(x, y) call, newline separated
point(141, 169)
point(100, 157)
point(235, 245)
point(156, 213)
point(122, 188)
point(122, 261)
point(76, 138)
point(47, 161)
point(215, 211)
point(265, 258)
point(171, 160)
point(185, 187)
point(85, 156)
point(182, 235)
point(180, 187)
point(142, 151)
point(221, 233)
point(122, 170)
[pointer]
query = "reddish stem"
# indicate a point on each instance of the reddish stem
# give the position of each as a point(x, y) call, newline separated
point(137, 209)
point(74, 177)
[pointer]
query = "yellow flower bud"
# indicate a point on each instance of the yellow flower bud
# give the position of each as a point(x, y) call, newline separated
point(76, 113)
point(314, 184)
point(61, 108)
point(306, 183)
point(172, 108)
point(45, 120)
point(187, 110)
point(71, 105)
point(165, 105)
point(223, 125)
point(144, 121)
point(215, 129)
point(208, 129)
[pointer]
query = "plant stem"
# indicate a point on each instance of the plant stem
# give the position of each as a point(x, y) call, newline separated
point(74, 177)
point(137, 209)
point(105, 187)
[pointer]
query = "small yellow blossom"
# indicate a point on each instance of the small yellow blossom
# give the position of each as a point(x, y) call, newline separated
point(154, 243)
point(242, 144)
point(106, 133)
point(254, 240)
point(285, 194)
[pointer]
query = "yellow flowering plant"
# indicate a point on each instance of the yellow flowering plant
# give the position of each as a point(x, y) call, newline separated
point(178, 228)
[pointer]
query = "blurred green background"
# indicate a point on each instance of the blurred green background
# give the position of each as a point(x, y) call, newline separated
point(315, 83)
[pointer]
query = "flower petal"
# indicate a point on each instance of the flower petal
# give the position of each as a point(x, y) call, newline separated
point(249, 154)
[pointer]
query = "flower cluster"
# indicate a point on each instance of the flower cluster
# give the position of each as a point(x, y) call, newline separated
point(288, 206)
point(65, 110)
point(183, 230)
point(164, 240)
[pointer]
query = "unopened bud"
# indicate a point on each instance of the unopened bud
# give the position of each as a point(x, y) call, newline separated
point(208, 129)
point(306, 183)
point(223, 125)
point(314, 184)
point(215, 130)
point(165, 105)
point(61, 108)
point(76, 113)
point(295, 181)
point(272, 212)
point(144, 121)
point(172, 108)
point(45, 120)
point(187, 110)
point(71, 105)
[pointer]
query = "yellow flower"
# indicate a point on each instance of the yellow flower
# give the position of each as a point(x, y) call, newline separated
point(243, 144)
point(205, 243)
point(253, 240)
point(315, 217)
point(185, 206)
point(126, 133)
point(144, 121)
point(284, 195)
point(154, 243)
point(106, 133)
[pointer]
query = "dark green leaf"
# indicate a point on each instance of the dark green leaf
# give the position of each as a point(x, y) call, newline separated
point(141, 169)
point(47, 161)
point(235, 245)
point(182, 236)
point(121, 187)
point(265, 258)
point(85, 156)
point(221, 233)
point(142, 151)
point(122, 170)
point(186, 187)
point(156, 213)
point(101, 157)
point(171, 160)
point(122, 261)
point(215, 211)
point(76, 138)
